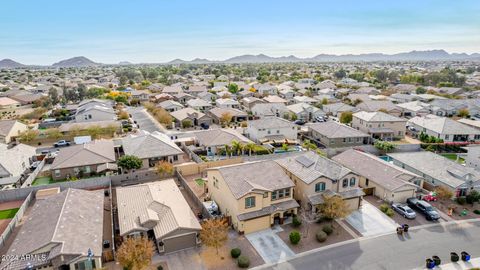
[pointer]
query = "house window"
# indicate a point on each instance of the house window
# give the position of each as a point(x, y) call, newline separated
point(85, 265)
point(268, 132)
point(280, 194)
point(345, 183)
point(249, 202)
point(477, 137)
point(446, 137)
point(175, 158)
point(265, 195)
point(352, 181)
point(57, 173)
point(320, 187)
point(87, 169)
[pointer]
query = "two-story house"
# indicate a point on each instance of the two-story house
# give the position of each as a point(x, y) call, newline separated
point(380, 125)
point(254, 195)
point(272, 128)
point(316, 176)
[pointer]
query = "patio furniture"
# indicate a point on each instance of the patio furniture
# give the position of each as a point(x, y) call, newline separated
point(399, 230)
point(405, 227)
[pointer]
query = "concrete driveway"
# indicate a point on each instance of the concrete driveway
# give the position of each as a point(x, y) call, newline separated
point(270, 246)
point(183, 259)
point(369, 221)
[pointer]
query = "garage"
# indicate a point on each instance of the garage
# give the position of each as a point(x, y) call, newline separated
point(256, 224)
point(180, 242)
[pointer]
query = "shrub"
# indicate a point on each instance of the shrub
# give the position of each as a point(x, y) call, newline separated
point(294, 237)
point(390, 212)
point(296, 222)
point(323, 219)
point(235, 252)
point(476, 211)
point(243, 262)
point(321, 236)
point(384, 207)
point(461, 200)
point(159, 267)
point(328, 229)
point(472, 197)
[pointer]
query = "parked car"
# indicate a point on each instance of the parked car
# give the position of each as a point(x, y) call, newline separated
point(299, 122)
point(204, 126)
point(34, 165)
point(61, 143)
point(424, 207)
point(404, 210)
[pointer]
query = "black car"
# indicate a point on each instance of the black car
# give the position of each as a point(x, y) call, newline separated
point(299, 122)
point(424, 207)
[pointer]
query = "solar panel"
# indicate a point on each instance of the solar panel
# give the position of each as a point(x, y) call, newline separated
point(306, 162)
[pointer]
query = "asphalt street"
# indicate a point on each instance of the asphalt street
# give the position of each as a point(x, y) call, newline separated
point(392, 251)
point(143, 120)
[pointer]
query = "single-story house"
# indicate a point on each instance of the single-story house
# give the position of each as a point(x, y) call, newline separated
point(237, 115)
point(443, 128)
point(9, 129)
point(196, 117)
point(96, 157)
point(439, 171)
point(60, 232)
point(333, 134)
point(152, 148)
point(160, 210)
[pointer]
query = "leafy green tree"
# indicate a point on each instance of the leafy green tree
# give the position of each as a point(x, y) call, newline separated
point(233, 88)
point(464, 113)
point(129, 162)
point(384, 146)
point(307, 144)
point(53, 95)
point(187, 123)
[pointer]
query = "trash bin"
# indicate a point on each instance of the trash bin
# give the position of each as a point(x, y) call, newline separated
point(430, 264)
point(437, 260)
point(465, 256)
point(454, 257)
point(405, 227)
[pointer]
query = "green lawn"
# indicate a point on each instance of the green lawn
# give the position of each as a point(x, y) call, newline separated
point(45, 180)
point(200, 182)
point(8, 213)
point(454, 157)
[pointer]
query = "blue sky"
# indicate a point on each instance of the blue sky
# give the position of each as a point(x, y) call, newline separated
point(46, 31)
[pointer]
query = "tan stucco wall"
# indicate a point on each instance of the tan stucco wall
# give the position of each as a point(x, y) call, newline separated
point(398, 126)
point(196, 168)
point(230, 206)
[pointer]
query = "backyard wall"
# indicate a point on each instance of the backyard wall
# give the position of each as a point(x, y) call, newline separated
point(198, 168)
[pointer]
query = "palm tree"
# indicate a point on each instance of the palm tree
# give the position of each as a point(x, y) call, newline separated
point(249, 147)
point(309, 145)
point(236, 147)
point(228, 150)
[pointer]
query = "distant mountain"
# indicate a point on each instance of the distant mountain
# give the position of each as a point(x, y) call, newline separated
point(9, 63)
point(125, 63)
point(432, 55)
point(79, 61)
